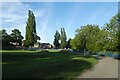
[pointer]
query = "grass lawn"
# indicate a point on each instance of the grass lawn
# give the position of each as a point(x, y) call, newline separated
point(36, 64)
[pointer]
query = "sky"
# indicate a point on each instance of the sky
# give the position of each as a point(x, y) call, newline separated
point(51, 16)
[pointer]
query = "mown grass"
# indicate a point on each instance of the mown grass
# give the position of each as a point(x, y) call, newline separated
point(36, 64)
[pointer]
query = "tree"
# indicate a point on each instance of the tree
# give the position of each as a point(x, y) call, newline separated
point(16, 36)
point(102, 40)
point(63, 38)
point(5, 38)
point(105, 39)
point(56, 40)
point(73, 44)
point(118, 32)
point(68, 43)
point(86, 37)
point(114, 33)
point(31, 35)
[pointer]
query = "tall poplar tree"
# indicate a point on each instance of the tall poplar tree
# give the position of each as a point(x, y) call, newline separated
point(63, 38)
point(31, 37)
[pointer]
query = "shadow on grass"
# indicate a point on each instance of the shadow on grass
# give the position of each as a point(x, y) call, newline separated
point(16, 56)
point(43, 65)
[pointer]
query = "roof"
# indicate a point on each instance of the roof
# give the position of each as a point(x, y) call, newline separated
point(45, 43)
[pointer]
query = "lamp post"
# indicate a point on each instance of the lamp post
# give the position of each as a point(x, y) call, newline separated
point(84, 38)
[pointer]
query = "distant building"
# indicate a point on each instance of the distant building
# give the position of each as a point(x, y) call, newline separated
point(14, 43)
point(37, 45)
point(42, 45)
point(46, 45)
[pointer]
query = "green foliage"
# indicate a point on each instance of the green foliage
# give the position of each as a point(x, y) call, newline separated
point(38, 38)
point(86, 37)
point(73, 44)
point(113, 30)
point(31, 35)
point(68, 43)
point(16, 36)
point(25, 43)
point(102, 40)
point(63, 38)
point(106, 39)
point(5, 38)
point(118, 33)
point(56, 40)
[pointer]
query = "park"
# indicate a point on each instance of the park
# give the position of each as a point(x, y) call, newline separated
point(93, 52)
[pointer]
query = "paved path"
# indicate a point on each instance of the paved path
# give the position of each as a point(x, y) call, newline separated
point(105, 68)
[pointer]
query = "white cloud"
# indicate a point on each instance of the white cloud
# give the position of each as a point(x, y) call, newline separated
point(97, 17)
point(46, 15)
point(39, 13)
point(73, 16)
point(14, 11)
point(14, 15)
point(45, 24)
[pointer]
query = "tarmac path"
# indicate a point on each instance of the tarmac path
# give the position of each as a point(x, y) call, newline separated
point(106, 68)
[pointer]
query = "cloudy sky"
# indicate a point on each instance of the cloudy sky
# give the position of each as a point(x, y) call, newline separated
point(51, 16)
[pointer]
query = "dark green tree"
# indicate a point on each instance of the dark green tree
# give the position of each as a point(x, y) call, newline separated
point(16, 36)
point(56, 40)
point(5, 38)
point(68, 43)
point(31, 35)
point(63, 38)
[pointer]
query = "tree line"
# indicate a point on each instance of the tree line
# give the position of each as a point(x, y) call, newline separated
point(92, 37)
point(96, 39)
point(60, 40)
point(9, 39)
point(89, 37)
point(15, 38)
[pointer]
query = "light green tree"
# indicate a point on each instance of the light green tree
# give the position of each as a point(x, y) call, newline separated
point(86, 37)
point(113, 33)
